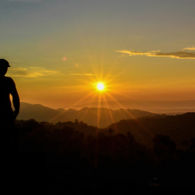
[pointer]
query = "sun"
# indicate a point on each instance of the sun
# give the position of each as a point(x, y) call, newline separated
point(100, 86)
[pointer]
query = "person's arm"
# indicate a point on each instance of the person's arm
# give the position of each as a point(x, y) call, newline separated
point(16, 99)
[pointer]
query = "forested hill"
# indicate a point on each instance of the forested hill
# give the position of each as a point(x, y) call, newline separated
point(180, 128)
point(153, 153)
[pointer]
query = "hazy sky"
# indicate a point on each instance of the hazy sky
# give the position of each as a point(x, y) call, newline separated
point(144, 48)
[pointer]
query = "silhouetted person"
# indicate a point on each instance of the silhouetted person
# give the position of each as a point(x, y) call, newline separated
point(8, 134)
point(7, 89)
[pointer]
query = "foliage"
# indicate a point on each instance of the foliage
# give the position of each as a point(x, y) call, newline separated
point(70, 154)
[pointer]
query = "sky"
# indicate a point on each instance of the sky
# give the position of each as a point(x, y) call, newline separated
point(144, 50)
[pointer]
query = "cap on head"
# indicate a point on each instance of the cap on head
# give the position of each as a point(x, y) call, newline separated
point(4, 62)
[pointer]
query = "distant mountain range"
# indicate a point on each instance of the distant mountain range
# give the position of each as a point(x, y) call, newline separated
point(102, 117)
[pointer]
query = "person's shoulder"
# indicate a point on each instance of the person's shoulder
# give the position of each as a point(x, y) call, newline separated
point(10, 80)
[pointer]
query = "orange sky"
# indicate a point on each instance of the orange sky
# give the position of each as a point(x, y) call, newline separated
point(144, 50)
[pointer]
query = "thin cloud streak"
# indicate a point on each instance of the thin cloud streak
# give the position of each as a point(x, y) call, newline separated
point(190, 48)
point(177, 54)
point(31, 72)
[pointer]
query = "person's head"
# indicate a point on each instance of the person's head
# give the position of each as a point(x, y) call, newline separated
point(4, 64)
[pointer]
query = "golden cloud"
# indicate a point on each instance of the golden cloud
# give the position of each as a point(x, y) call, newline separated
point(177, 54)
point(31, 72)
point(190, 48)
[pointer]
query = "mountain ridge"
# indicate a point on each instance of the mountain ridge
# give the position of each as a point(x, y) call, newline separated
point(91, 115)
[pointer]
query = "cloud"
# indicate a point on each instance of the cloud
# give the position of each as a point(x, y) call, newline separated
point(189, 48)
point(31, 72)
point(178, 54)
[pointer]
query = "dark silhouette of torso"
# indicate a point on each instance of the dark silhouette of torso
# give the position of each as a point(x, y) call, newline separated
point(7, 91)
point(6, 87)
